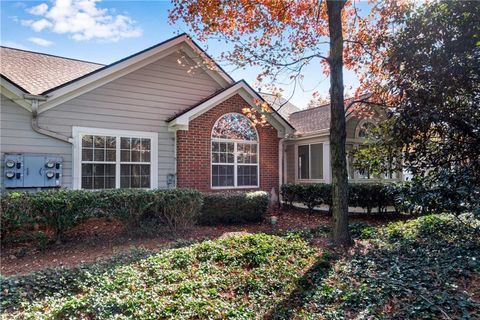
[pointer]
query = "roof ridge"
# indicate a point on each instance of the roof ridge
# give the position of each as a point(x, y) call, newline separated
point(52, 55)
point(104, 67)
point(308, 109)
point(325, 105)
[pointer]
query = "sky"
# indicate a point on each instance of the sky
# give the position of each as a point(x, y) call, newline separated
point(107, 31)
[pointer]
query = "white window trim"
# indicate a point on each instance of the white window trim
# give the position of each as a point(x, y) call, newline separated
point(297, 173)
point(234, 164)
point(360, 125)
point(357, 178)
point(79, 132)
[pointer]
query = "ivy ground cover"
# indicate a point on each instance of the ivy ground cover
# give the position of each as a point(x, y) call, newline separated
point(424, 268)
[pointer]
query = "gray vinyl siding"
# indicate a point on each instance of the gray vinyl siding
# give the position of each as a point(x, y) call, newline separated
point(17, 136)
point(139, 101)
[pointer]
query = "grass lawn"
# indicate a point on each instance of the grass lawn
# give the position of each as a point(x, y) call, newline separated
point(424, 268)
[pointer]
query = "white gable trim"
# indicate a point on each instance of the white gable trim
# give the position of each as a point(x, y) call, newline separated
point(14, 93)
point(182, 43)
point(241, 88)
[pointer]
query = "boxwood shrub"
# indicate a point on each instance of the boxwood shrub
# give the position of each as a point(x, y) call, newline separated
point(233, 207)
point(60, 210)
point(364, 195)
point(177, 209)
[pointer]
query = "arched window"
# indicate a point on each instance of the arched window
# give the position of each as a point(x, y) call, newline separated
point(365, 128)
point(234, 152)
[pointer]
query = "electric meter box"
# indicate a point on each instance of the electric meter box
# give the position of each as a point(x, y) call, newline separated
point(32, 171)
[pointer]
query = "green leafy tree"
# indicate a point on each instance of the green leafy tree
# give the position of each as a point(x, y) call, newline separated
point(433, 70)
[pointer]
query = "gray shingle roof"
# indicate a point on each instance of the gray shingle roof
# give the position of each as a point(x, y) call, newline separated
point(39, 72)
point(284, 107)
point(311, 120)
point(318, 118)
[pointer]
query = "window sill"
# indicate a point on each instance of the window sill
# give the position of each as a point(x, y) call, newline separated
point(311, 180)
point(230, 188)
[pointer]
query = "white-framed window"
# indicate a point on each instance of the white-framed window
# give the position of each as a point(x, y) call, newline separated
point(234, 153)
point(108, 159)
point(365, 129)
point(310, 161)
point(359, 175)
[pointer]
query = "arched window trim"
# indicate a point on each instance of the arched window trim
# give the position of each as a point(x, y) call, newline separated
point(360, 124)
point(235, 164)
point(238, 114)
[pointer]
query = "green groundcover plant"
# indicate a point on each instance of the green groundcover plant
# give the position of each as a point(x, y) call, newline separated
point(419, 269)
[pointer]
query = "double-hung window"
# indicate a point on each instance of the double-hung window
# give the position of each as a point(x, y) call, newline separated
point(108, 159)
point(310, 161)
point(234, 155)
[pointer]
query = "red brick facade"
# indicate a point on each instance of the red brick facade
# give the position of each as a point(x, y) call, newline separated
point(194, 149)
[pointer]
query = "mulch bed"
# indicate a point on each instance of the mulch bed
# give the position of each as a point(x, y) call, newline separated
point(100, 238)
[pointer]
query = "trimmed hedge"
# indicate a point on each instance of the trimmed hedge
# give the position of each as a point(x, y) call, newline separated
point(61, 210)
point(363, 195)
point(175, 209)
point(233, 207)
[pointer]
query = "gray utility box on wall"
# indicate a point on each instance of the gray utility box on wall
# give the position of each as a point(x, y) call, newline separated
point(32, 171)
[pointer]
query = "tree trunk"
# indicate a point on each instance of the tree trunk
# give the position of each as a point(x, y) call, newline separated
point(340, 232)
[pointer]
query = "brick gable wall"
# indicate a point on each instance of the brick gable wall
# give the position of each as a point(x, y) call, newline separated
point(194, 149)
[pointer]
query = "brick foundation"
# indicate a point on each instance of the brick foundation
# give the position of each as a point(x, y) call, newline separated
point(194, 148)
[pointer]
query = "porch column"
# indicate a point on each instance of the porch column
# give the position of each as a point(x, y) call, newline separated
point(327, 170)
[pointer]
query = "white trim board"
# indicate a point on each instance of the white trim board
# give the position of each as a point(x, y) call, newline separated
point(241, 88)
point(13, 93)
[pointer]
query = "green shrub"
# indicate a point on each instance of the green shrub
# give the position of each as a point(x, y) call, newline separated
point(127, 205)
point(310, 195)
point(178, 209)
point(61, 210)
point(290, 193)
point(313, 195)
point(233, 207)
point(369, 196)
point(364, 195)
point(420, 196)
point(15, 213)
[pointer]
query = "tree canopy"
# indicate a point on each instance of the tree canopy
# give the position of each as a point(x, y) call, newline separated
point(433, 69)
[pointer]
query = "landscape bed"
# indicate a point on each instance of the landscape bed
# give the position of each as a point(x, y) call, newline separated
point(423, 268)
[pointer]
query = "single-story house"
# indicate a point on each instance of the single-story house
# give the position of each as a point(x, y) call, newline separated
point(167, 116)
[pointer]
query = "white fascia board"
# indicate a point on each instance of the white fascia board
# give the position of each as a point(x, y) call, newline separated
point(185, 118)
point(319, 133)
point(15, 94)
point(282, 128)
point(181, 122)
point(283, 125)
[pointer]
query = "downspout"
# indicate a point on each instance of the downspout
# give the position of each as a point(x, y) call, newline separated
point(37, 128)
